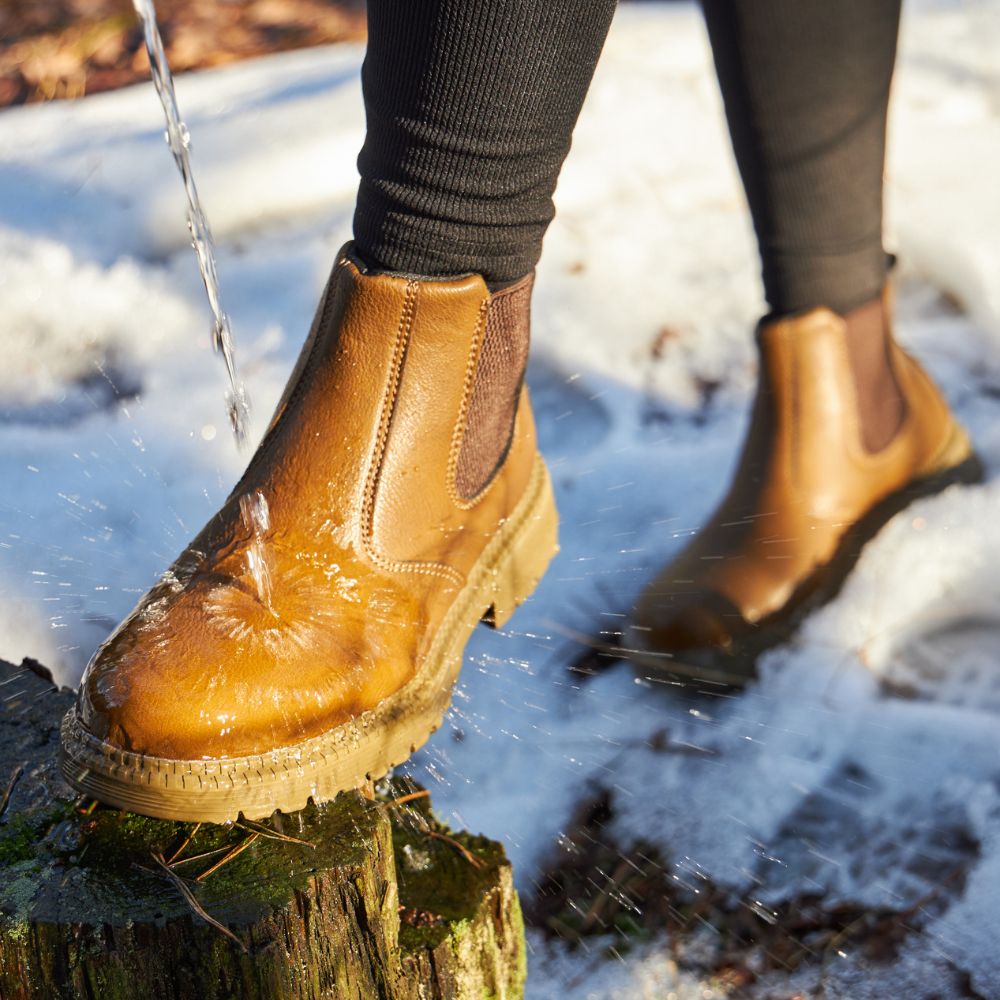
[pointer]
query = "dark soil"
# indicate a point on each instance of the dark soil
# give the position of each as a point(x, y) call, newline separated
point(598, 890)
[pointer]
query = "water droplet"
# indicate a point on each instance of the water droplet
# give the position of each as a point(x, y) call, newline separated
point(257, 520)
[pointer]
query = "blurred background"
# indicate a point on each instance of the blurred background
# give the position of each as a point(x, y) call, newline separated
point(52, 49)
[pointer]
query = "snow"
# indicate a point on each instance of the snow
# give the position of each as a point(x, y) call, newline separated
point(863, 760)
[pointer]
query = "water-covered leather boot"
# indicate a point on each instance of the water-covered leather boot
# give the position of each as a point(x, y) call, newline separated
point(807, 494)
point(308, 642)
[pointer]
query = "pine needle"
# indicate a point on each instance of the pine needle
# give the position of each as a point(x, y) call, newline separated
point(267, 831)
point(199, 857)
point(187, 840)
point(193, 903)
point(14, 778)
point(422, 794)
point(226, 858)
point(464, 851)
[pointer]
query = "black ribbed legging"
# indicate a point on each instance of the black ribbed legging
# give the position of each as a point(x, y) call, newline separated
point(471, 106)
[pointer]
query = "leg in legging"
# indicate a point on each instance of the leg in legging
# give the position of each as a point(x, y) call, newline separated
point(806, 89)
point(470, 106)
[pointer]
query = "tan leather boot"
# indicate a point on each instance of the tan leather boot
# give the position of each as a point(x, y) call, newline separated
point(407, 500)
point(805, 498)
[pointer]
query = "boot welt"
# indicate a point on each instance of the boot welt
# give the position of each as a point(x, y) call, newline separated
point(735, 666)
point(354, 753)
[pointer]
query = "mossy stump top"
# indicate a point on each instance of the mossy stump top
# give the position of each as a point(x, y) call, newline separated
point(358, 898)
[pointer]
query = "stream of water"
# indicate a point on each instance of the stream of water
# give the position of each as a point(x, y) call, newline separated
point(253, 507)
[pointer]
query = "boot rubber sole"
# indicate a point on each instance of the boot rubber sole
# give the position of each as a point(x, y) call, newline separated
point(352, 754)
point(736, 666)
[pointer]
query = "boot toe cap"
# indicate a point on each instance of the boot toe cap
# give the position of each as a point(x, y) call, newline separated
point(678, 623)
point(192, 685)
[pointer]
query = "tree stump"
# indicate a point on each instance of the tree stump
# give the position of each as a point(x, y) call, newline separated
point(356, 899)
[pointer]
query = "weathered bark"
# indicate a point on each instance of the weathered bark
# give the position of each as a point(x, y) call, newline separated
point(380, 902)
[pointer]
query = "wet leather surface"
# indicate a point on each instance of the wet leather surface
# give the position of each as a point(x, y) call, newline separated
point(368, 543)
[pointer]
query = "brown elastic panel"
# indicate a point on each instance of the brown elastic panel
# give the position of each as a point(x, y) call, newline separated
point(495, 392)
point(881, 406)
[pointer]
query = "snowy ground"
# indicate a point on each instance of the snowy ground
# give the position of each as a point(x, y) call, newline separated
point(861, 771)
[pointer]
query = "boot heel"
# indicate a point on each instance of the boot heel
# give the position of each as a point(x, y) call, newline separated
point(532, 545)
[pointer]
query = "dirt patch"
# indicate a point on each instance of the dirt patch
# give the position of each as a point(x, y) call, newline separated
point(599, 891)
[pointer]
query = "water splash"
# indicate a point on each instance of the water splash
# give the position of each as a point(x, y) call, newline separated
point(179, 140)
point(257, 519)
point(253, 506)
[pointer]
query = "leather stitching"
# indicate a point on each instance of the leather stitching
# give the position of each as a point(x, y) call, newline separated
point(373, 478)
point(458, 434)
